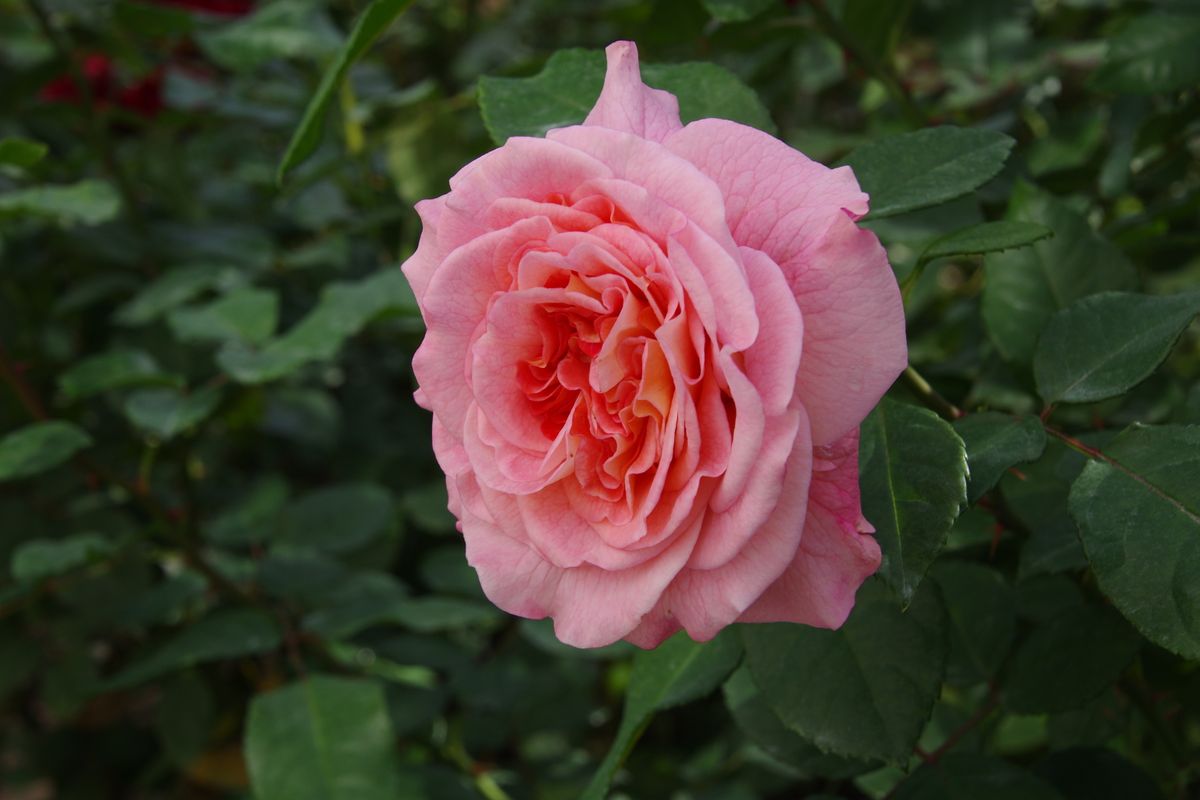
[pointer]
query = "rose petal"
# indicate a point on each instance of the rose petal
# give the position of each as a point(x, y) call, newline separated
point(627, 104)
point(836, 552)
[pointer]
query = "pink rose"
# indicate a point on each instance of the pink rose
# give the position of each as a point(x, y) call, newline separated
point(649, 348)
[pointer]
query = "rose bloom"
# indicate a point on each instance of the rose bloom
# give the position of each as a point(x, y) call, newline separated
point(649, 348)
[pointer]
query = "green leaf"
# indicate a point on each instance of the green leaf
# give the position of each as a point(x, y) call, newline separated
point(185, 717)
point(110, 370)
point(325, 738)
point(89, 202)
point(1023, 288)
point(1096, 773)
point(246, 314)
point(287, 29)
point(981, 609)
point(222, 635)
point(565, 90)
point(342, 311)
point(986, 237)
point(1139, 519)
point(913, 475)
point(253, 518)
point(165, 413)
point(38, 559)
point(756, 719)
point(1155, 52)
point(147, 19)
point(678, 671)
point(1069, 659)
point(995, 442)
point(736, 10)
point(865, 690)
point(1104, 345)
point(370, 25)
point(1038, 499)
point(876, 27)
point(338, 519)
point(927, 167)
point(38, 447)
point(174, 288)
point(23, 153)
point(969, 775)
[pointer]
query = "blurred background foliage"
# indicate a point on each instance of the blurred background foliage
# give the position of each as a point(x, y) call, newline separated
point(226, 567)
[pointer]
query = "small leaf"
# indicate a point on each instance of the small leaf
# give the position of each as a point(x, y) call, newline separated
point(39, 447)
point(913, 474)
point(986, 237)
point(174, 288)
point(223, 635)
point(927, 167)
point(995, 442)
point(981, 609)
point(1139, 519)
point(38, 559)
point(185, 717)
point(1023, 288)
point(565, 90)
point(1104, 345)
point(338, 519)
point(865, 690)
point(1069, 659)
point(275, 30)
point(325, 738)
point(736, 10)
point(89, 202)
point(165, 413)
point(677, 672)
point(246, 314)
point(23, 153)
point(253, 519)
point(974, 776)
point(110, 370)
point(1038, 500)
point(1155, 52)
point(370, 25)
point(342, 311)
point(756, 719)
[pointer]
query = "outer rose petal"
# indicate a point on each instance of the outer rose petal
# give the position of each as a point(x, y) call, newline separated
point(836, 552)
point(703, 602)
point(419, 268)
point(627, 104)
point(591, 606)
point(799, 213)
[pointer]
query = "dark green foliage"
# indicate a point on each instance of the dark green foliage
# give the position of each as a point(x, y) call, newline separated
point(227, 568)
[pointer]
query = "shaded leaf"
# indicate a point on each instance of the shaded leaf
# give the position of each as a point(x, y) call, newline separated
point(1104, 345)
point(89, 202)
point(174, 288)
point(1139, 519)
point(110, 370)
point(986, 237)
point(165, 413)
point(913, 475)
point(338, 519)
point(325, 738)
point(981, 610)
point(1155, 52)
point(38, 447)
point(927, 167)
point(979, 777)
point(995, 442)
point(44, 558)
point(678, 671)
point(367, 28)
point(23, 153)
point(246, 314)
point(868, 688)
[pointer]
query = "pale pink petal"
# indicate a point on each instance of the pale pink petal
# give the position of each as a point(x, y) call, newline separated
point(454, 306)
point(836, 552)
point(799, 213)
point(726, 532)
point(591, 606)
point(854, 344)
point(421, 265)
point(773, 361)
point(749, 425)
point(702, 602)
point(626, 104)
